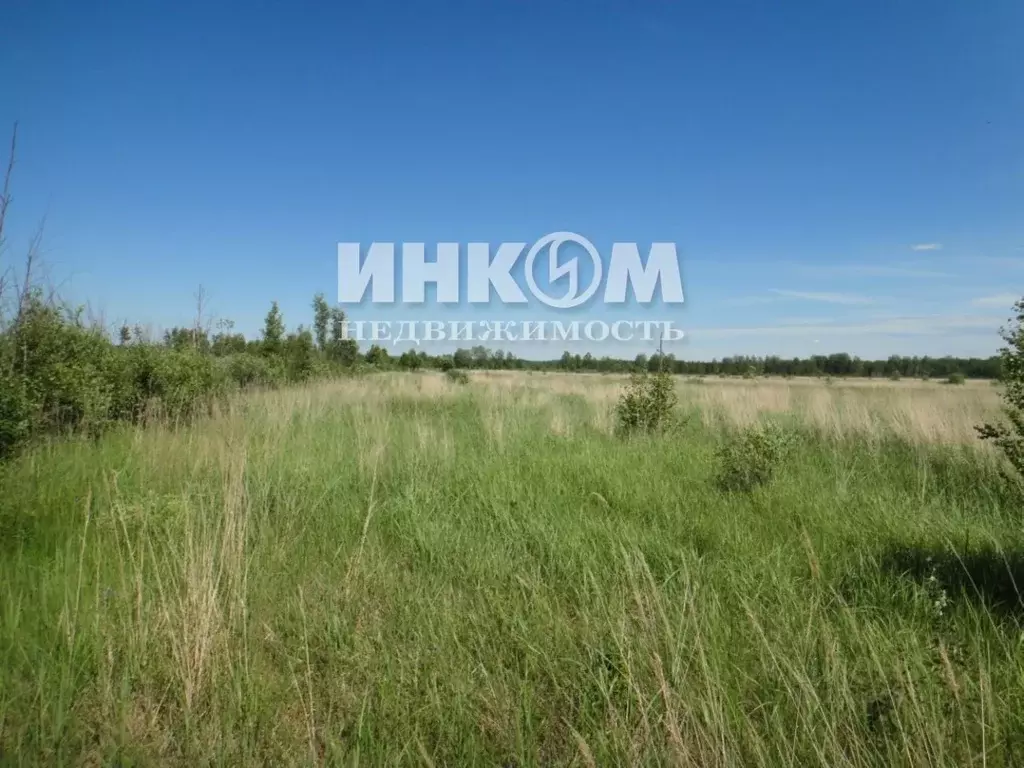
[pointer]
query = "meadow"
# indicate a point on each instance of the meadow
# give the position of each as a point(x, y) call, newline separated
point(402, 569)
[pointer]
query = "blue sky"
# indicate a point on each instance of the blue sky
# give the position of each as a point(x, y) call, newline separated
point(837, 176)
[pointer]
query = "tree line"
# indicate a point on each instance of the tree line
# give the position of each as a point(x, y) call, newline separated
point(840, 364)
point(60, 372)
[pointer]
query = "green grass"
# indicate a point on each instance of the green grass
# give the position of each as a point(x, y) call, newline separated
point(399, 580)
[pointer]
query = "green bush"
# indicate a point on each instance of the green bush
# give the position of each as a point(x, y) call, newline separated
point(456, 376)
point(247, 370)
point(647, 404)
point(751, 457)
point(187, 382)
point(58, 374)
point(956, 378)
point(57, 369)
point(1009, 437)
point(15, 412)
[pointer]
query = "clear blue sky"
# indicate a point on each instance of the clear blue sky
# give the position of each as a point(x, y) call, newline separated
point(838, 176)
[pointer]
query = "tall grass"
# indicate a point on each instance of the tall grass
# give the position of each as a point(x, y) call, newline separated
point(401, 569)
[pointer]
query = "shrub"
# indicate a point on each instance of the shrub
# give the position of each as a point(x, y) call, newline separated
point(1009, 438)
point(15, 412)
point(186, 382)
point(894, 376)
point(751, 457)
point(246, 370)
point(57, 369)
point(647, 404)
point(132, 372)
point(456, 376)
point(955, 378)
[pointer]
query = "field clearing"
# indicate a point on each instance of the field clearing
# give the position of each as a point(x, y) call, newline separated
point(402, 569)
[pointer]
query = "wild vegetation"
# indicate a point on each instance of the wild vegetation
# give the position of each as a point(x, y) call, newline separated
point(475, 567)
point(404, 568)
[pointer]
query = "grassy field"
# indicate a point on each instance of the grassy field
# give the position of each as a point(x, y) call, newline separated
point(401, 569)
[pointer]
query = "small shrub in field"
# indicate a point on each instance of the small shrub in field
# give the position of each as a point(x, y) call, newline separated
point(955, 378)
point(647, 404)
point(455, 376)
point(895, 376)
point(1009, 437)
point(751, 457)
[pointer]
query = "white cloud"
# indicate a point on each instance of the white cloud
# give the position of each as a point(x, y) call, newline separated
point(828, 298)
point(926, 247)
point(1006, 300)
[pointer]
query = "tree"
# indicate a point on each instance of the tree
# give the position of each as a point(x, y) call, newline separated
point(201, 326)
point(300, 354)
point(321, 320)
point(378, 356)
point(273, 330)
point(1010, 437)
point(409, 360)
point(342, 350)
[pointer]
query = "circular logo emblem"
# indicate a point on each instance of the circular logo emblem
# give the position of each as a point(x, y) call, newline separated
point(572, 298)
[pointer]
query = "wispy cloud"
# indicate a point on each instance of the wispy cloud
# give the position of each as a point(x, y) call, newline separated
point(828, 298)
point(750, 301)
point(926, 247)
point(919, 325)
point(999, 300)
point(873, 270)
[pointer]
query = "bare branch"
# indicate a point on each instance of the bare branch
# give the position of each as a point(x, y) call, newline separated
point(24, 290)
point(5, 200)
point(197, 327)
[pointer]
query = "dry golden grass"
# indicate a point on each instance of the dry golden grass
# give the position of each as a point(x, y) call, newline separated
point(919, 411)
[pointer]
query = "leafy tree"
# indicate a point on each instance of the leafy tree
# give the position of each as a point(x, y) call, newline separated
point(1010, 437)
point(225, 342)
point(343, 350)
point(186, 338)
point(409, 360)
point(273, 331)
point(300, 355)
point(378, 356)
point(321, 321)
point(481, 356)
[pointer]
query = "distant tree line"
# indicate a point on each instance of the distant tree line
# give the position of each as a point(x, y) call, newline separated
point(840, 364)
